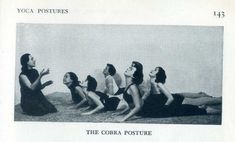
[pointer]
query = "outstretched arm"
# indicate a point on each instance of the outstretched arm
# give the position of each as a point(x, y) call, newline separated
point(122, 111)
point(137, 102)
point(97, 101)
point(169, 96)
point(81, 93)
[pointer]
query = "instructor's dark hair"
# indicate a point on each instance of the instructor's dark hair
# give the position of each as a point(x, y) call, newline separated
point(23, 61)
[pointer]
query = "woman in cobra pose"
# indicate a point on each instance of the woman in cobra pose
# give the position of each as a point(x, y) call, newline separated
point(78, 95)
point(176, 104)
point(99, 100)
point(164, 104)
point(33, 101)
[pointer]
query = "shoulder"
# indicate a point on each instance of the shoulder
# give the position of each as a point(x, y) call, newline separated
point(78, 88)
point(159, 84)
point(133, 88)
point(109, 79)
point(22, 76)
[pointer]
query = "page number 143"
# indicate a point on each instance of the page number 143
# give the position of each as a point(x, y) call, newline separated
point(219, 14)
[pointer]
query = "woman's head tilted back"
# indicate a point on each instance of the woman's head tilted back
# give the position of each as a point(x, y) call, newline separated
point(160, 75)
point(138, 74)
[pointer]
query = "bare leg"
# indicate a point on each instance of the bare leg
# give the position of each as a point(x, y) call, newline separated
point(122, 105)
point(203, 101)
point(122, 108)
point(211, 110)
point(95, 99)
point(194, 95)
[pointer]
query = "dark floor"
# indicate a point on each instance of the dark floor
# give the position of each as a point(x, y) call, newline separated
point(67, 114)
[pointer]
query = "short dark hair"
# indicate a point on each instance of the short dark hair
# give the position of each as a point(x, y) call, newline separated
point(91, 84)
point(161, 75)
point(111, 70)
point(138, 74)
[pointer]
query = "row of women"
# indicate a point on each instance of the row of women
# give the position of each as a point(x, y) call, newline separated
point(129, 101)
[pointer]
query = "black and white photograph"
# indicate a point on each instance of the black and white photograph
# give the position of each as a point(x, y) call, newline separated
point(104, 73)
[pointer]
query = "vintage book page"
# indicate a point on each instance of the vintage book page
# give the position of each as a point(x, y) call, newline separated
point(168, 63)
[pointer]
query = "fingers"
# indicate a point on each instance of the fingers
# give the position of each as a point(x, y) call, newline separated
point(50, 81)
point(42, 71)
point(47, 71)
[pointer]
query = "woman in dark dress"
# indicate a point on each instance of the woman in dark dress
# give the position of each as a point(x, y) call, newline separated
point(33, 102)
point(78, 95)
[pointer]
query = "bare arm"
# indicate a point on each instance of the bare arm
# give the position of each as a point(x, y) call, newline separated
point(137, 102)
point(122, 112)
point(109, 86)
point(97, 101)
point(82, 94)
point(46, 84)
point(37, 83)
point(146, 94)
point(169, 96)
point(146, 89)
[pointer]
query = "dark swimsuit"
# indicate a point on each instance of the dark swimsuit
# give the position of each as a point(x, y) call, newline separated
point(154, 106)
point(33, 102)
point(110, 103)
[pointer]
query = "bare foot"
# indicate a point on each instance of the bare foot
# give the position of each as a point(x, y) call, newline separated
point(211, 110)
point(204, 94)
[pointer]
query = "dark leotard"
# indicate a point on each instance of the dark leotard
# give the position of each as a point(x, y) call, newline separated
point(33, 102)
point(127, 97)
point(154, 106)
point(110, 103)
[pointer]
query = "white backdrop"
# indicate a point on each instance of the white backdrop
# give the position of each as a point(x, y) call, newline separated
point(191, 55)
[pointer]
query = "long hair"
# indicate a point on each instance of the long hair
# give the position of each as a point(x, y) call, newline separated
point(74, 78)
point(138, 74)
point(161, 75)
point(23, 61)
